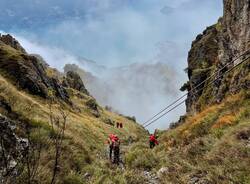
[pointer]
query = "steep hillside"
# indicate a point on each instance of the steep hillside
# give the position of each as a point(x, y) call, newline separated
point(211, 145)
point(215, 48)
point(43, 114)
point(53, 130)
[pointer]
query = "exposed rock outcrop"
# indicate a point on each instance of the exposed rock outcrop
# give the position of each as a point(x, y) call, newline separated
point(215, 48)
point(93, 106)
point(74, 81)
point(12, 150)
point(28, 73)
point(9, 40)
point(4, 106)
point(41, 60)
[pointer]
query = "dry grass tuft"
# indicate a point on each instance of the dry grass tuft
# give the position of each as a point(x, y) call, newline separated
point(225, 120)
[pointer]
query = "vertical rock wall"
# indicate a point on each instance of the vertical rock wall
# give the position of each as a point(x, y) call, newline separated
point(216, 47)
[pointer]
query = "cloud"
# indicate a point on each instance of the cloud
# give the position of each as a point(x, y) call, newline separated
point(139, 89)
point(167, 10)
point(115, 33)
point(143, 89)
point(55, 57)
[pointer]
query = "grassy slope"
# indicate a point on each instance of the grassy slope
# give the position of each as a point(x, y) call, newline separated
point(212, 146)
point(209, 145)
point(86, 136)
point(84, 146)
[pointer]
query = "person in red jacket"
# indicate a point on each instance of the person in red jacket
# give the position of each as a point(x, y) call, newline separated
point(114, 147)
point(152, 141)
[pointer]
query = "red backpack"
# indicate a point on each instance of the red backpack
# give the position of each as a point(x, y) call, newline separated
point(152, 138)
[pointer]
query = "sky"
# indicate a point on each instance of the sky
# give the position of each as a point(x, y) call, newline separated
point(112, 33)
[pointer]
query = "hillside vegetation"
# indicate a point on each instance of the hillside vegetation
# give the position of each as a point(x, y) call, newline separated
point(212, 146)
point(211, 143)
point(35, 101)
point(54, 132)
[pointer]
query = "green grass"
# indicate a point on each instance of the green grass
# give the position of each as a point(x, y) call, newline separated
point(197, 148)
point(73, 178)
point(144, 159)
point(206, 145)
point(84, 144)
point(215, 155)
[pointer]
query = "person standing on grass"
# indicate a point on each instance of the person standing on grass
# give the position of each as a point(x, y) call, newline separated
point(111, 136)
point(114, 148)
point(121, 125)
point(152, 141)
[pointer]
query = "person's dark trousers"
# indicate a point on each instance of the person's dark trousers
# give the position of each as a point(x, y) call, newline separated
point(151, 144)
point(116, 155)
point(110, 151)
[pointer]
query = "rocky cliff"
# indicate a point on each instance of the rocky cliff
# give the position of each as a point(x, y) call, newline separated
point(211, 143)
point(74, 81)
point(9, 40)
point(215, 48)
point(27, 72)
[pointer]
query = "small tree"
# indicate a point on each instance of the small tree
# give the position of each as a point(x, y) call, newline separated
point(33, 156)
point(58, 125)
point(33, 150)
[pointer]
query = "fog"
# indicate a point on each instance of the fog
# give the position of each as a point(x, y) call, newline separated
point(139, 89)
point(136, 51)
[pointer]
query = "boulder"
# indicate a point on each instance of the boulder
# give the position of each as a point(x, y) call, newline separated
point(74, 81)
point(4, 105)
point(93, 106)
point(162, 172)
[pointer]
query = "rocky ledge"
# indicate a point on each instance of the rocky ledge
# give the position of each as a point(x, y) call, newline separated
point(28, 72)
point(12, 150)
point(215, 48)
point(74, 81)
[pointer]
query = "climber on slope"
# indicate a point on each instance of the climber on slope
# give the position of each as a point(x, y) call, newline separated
point(111, 137)
point(152, 141)
point(114, 148)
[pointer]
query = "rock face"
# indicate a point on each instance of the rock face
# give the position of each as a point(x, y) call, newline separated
point(28, 72)
point(74, 81)
point(4, 106)
point(216, 47)
point(12, 150)
point(93, 106)
point(9, 40)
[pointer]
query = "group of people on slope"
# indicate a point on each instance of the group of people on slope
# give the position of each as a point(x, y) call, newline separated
point(114, 146)
point(119, 125)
